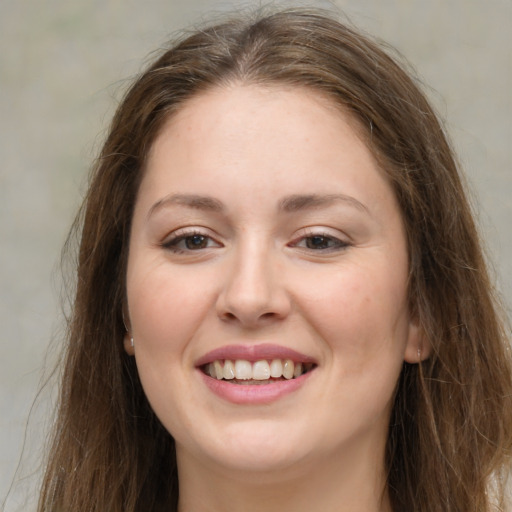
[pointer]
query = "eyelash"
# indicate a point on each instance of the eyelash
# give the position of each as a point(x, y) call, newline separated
point(337, 244)
point(330, 243)
point(173, 243)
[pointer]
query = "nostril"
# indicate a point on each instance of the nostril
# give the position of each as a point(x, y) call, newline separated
point(250, 308)
point(228, 315)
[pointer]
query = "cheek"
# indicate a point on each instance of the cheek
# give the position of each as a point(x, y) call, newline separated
point(361, 312)
point(165, 308)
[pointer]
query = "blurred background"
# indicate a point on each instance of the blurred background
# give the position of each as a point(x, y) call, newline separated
point(63, 66)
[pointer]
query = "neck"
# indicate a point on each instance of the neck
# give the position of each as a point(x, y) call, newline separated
point(355, 485)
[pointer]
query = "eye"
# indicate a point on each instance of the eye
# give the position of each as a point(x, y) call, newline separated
point(320, 242)
point(191, 241)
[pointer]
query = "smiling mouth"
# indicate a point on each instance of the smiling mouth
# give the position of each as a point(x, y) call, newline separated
point(260, 372)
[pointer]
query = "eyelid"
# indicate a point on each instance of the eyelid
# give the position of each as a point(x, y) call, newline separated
point(342, 240)
point(171, 241)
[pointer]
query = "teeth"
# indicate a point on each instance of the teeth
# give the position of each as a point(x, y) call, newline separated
point(228, 371)
point(276, 368)
point(243, 370)
point(218, 370)
point(288, 369)
point(261, 371)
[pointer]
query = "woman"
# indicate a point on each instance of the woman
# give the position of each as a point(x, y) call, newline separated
point(281, 301)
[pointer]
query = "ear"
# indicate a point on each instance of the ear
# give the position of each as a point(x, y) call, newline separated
point(418, 347)
point(128, 338)
point(128, 344)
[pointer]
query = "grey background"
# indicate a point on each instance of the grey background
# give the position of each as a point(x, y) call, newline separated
point(62, 66)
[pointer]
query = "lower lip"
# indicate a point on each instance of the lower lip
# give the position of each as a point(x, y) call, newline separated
point(254, 394)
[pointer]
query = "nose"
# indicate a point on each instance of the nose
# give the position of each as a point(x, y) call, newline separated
point(253, 293)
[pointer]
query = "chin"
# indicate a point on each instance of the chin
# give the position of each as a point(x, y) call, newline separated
point(256, 448)
point(255, 464)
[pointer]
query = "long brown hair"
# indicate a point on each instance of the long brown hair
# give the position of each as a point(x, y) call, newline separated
point(450, 434)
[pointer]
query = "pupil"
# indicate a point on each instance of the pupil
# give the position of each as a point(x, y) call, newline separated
point(316, 242)
point(196, 242)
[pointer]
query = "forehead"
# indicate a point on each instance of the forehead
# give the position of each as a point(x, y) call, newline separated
point(249, 134)
point(225, 101)
point(259, 114)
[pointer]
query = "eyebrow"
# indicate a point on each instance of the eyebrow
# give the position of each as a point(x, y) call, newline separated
point(296, 203)
point(289, 204)
point(196, 202)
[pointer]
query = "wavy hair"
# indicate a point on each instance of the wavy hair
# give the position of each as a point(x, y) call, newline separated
point(450, 435)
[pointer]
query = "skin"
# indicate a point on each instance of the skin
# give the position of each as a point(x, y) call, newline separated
point(260, 276)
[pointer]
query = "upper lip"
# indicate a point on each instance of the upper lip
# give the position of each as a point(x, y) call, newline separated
point(254, 353)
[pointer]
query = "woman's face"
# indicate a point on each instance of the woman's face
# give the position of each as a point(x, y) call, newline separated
point(266, 238)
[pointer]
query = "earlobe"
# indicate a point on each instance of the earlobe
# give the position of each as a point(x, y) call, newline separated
point(128, 338)
point(418, 347)
point(129, 345)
